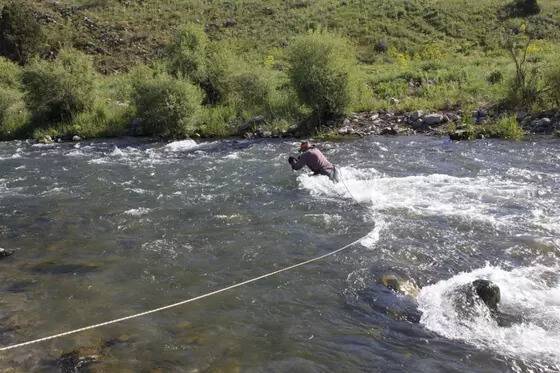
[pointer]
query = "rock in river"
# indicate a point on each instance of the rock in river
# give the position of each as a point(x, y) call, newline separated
point(5, 253)
point(399, 285)
point(488, 292)
point(477, 291)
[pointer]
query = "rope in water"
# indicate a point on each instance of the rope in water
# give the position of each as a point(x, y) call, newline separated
point(350, 192)
point(255, 279)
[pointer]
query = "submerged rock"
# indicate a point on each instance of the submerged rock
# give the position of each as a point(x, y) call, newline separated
point(6, 253)
point(76, 360)
point(399, 285)
point(82, 358)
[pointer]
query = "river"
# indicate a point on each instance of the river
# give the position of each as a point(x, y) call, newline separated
point(104, 229)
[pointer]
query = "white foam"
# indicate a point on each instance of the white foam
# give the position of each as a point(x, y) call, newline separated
point(373, 237)
point(430, 195)
point(13, 156)
point(525, 291)
point(117, 152)
point(234, 155)
point(183, 145)
point(138, 211)
point(75, 153)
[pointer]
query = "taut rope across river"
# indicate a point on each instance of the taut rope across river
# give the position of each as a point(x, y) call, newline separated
point(163, 308)
point(180, 303)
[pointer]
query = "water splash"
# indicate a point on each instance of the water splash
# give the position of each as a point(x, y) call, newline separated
point(531, 293)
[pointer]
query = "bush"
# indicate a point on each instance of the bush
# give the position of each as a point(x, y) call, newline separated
point(215, 121)
point(13, 115)
point(192, 56)
point(21, 36)
point(167, 106)
point(106, 119)
point(507, 128)
point(10, 74)
point(187, 54)
point(323, 70)
point(553, 85)
point(495, 77)
point(58, 91)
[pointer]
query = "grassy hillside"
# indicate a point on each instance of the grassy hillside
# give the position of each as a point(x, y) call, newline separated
point(236, 62)
point(122, 32)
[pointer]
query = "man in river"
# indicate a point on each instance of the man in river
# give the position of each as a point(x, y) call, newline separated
point(315, 160)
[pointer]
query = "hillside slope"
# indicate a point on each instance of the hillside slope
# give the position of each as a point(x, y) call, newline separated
point(120, 33)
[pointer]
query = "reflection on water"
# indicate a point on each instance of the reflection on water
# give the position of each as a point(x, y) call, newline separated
point(106, 229)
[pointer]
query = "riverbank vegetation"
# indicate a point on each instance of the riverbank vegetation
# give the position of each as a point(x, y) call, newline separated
point(201, 68)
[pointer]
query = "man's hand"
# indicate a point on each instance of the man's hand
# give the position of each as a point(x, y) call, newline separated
point(291, 160)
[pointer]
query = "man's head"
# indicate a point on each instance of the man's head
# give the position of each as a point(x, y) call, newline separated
point(304, 146)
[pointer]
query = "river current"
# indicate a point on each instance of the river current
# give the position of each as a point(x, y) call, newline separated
point(104, 229)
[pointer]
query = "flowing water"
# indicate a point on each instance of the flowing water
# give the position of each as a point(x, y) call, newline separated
point(107, 229)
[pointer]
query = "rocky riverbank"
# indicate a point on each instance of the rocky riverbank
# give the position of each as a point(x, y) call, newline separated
point(455, 124)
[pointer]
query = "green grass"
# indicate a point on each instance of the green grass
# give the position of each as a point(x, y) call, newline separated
point(426, 54)
point(129, 32)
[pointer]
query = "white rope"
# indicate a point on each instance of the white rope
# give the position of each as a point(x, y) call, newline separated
point(181, 302)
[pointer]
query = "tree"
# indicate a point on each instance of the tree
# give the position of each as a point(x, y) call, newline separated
point(21, 35)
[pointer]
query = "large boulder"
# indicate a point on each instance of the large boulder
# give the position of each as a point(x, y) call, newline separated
point(466, 297)
point(488, 292)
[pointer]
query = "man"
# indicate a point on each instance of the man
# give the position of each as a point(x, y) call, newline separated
point(315, 160)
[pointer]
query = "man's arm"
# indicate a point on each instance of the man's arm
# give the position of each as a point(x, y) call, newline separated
point(298, 163)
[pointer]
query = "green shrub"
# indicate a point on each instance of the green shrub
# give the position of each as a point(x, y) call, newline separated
point(58, 91)
point(495, 77)
point(323, 70)
point(188, 53)
point(553, 85)
point(506, 127)
point(524, 94)
point(13, 114)
point(249, 90)
point(192, 56)
point(21, 36)
point(106, 119)
point(167, 106)
point(215, 121)
point(10, 74)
